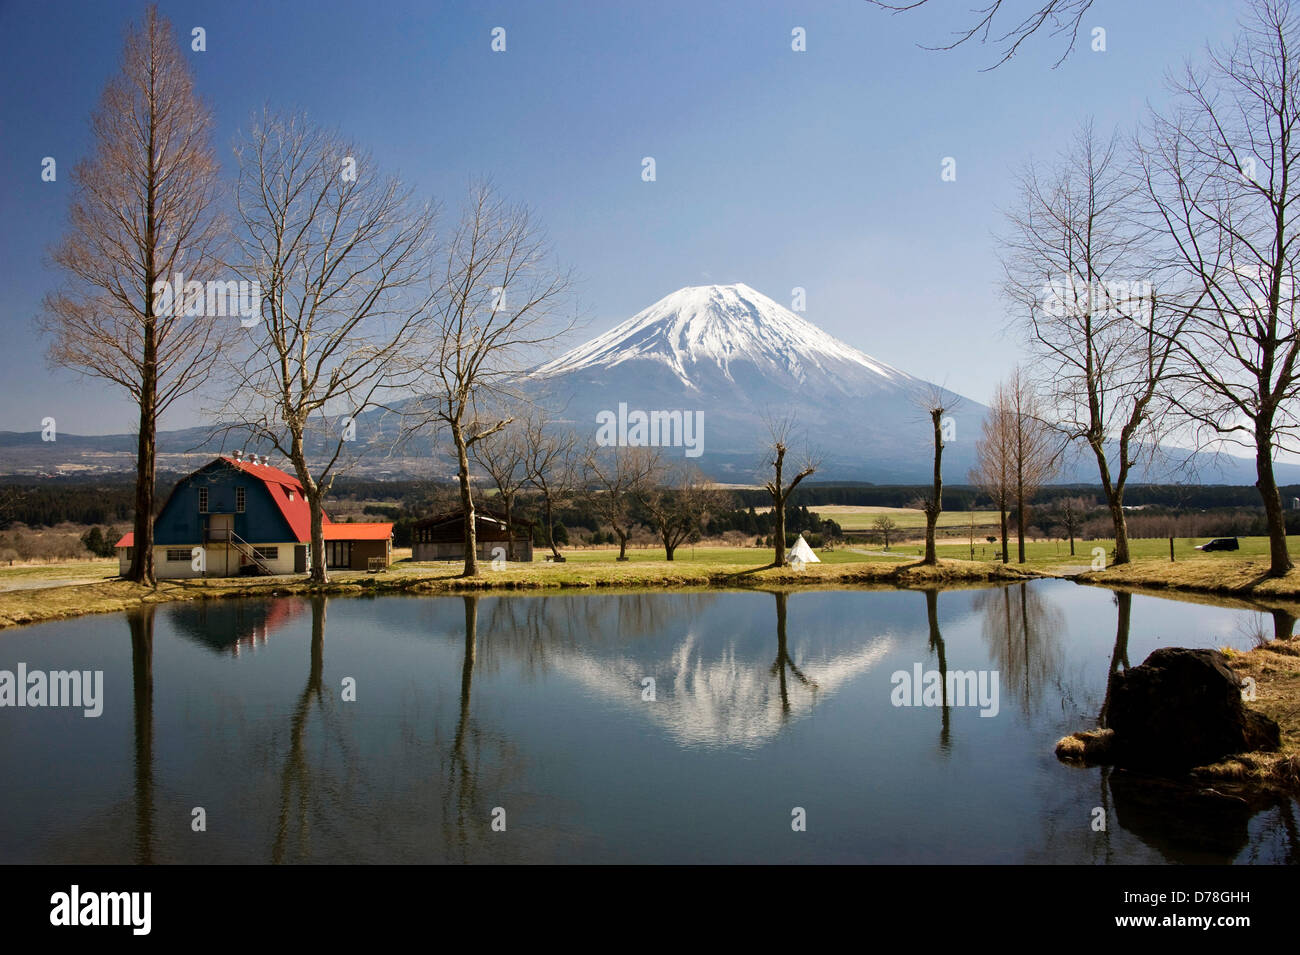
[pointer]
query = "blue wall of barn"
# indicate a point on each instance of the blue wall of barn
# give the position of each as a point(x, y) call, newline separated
point(180, 523)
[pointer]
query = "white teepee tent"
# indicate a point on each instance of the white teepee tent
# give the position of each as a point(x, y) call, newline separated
point(802, 553)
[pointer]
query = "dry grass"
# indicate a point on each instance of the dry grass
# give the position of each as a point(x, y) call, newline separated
point(54, 603)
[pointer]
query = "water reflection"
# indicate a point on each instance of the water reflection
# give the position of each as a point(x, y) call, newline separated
point(783, 660)
point(936, 644)
point(1021, 630)
point(234, 626)
point(140, 622)
point(296, 775)
point(536, 704)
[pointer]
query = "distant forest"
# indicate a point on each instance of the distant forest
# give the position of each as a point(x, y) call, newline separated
point(102, 500)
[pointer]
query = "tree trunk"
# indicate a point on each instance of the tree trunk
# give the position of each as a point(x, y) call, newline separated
point(319, 570)
point(142, 569)
point(622, 544)
point(550, 526)
point(466, 503)
point(1002, 510)
point(1121, 526)
point(510, 527)
point(669, 546)
point(1279, 559)
point(936, 500)
point(1020, 521)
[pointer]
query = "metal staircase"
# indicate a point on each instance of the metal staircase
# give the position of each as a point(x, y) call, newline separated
point(242, 547)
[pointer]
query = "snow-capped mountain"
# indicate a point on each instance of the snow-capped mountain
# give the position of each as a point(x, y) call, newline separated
point(732, 355)
point(703, 331)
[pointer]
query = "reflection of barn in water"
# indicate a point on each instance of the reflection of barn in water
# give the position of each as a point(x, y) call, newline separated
point(234, 625)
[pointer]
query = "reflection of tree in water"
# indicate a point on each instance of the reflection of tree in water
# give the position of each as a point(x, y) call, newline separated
point(1119, 655)
point(783, 661)
point(936, 644)
point(141, 624)
point(301, 787)
point(1022, 632)
point(477, 762)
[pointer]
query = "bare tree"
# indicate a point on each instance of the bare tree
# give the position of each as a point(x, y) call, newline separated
point(1033, 450)
point(498, 300)
point(1222, 169)
point(619, 476)
point(340, 261)
point(884, 525)
point(676, 499)
point(143, 210)
point(1073, 512)
point(503, 456)
point(936, 403)
point(1059, 17)
point(777, 447)
point(1078, 274)
point(553, 467)
point(994, 463)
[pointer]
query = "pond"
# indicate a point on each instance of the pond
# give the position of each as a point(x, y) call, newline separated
point(801, 727)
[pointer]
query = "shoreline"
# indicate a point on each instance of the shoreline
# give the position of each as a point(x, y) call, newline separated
point(66, 601)
point(1243, 584)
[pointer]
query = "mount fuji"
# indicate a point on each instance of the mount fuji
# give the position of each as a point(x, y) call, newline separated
point(734, 356)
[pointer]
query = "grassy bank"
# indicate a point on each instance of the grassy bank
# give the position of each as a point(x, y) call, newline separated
point(709, 568)
point(1275, 668)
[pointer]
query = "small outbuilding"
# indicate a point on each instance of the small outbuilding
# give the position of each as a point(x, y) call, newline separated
point(442, 536)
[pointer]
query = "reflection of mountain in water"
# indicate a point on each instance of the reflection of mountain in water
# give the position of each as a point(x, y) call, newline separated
point(233, 626)
point(725, 672)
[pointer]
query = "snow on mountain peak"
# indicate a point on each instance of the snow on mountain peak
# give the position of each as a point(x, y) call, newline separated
point(716, 326)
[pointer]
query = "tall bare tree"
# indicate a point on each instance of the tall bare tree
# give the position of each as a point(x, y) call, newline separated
point(994, 459)
point(619, 478)
point(553, 467)
point(1033, 449)
point(339, 250)
point(777, 447)
point(498, 300)
point(1222, 170)
point(143, 210)
point(504, 457)
point(1079, 271)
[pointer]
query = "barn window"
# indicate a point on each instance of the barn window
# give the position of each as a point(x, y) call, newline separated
point(203, 500)
point(239, 500)
point(178, 555)
point(266, 553)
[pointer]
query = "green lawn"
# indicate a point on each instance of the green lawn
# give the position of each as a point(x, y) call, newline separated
point(1050, 555)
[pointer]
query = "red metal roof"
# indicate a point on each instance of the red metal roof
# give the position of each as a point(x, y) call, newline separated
point(358, 532)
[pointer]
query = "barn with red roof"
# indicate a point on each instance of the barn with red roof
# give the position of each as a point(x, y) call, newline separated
point(238, 515)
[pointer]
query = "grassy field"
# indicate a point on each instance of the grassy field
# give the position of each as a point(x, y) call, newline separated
point(65, 570)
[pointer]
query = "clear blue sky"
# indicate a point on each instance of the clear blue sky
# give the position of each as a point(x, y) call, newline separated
point(779, 169)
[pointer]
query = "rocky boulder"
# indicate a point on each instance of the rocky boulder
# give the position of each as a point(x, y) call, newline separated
point(1183, 708)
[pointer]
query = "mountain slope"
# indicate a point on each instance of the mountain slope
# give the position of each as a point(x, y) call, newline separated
point(734, 356)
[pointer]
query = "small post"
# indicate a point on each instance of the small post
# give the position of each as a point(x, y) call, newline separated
point(1171, 549)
